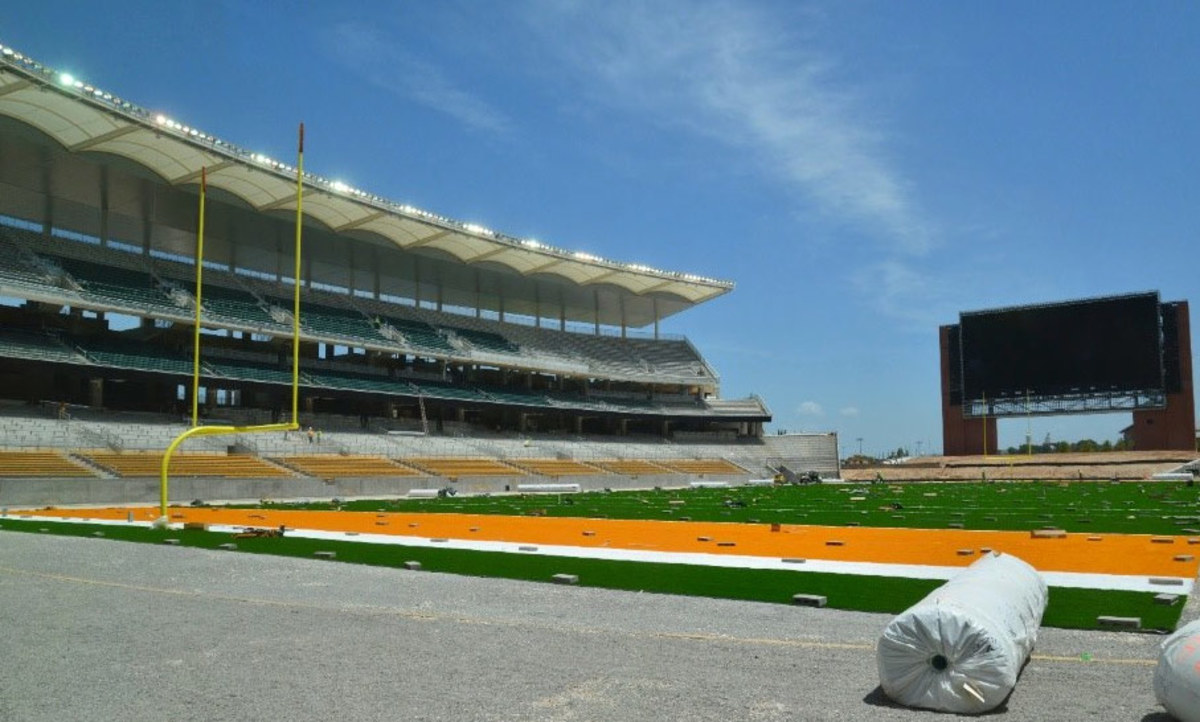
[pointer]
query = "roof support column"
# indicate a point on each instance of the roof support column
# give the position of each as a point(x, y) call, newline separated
point(231, 234)
point(624, 329)
point(147, 216)
point(596, 299)
point(47, 195)
point(537, 306)
point(501, 298)
point(478, 296)
point(375, 284)
point(655, 319)
point(104, 239)
point(417, 281)
point(438, 295)
point(279, 252)
point(562, 312)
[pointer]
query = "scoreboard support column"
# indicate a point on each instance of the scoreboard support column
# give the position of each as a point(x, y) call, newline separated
point(1172, 428)
point(961, 436)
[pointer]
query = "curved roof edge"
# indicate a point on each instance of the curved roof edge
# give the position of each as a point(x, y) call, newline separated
point(83, 117)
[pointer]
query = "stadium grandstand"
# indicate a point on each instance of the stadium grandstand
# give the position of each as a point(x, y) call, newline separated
point(431, 349)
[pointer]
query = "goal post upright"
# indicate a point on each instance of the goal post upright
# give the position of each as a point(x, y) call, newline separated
point(196, 429)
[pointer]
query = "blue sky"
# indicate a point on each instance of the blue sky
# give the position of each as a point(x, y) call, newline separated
point(862, 170)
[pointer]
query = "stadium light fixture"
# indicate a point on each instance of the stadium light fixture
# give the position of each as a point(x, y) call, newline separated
point(67, 80)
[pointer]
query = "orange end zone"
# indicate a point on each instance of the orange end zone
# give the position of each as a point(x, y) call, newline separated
point(1129, 554)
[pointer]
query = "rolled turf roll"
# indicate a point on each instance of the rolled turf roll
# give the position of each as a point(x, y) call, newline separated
point(1177, 677)
point(961, 648)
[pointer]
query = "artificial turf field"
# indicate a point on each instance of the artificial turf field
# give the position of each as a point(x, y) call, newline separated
point(1157, 508)
point(1098, 507)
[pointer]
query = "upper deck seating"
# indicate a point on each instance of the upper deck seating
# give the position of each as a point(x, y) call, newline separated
point(119, 286)
point(235, 305)
point(508, 396)
point(485, 341)
point(249, 371)
point(16, 262)
point(669, 357)
point(130, 354)
point(420, 334)
point(17, 343)
point(356, 382)
point(446, 391)
point(345, 322)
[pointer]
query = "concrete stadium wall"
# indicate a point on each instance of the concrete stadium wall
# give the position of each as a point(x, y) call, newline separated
point(59, 492)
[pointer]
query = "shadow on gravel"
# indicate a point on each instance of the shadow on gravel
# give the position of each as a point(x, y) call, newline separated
point(877, 698)
point(1158, 717)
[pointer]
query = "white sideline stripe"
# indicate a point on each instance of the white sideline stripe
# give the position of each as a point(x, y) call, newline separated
point(1077, 580)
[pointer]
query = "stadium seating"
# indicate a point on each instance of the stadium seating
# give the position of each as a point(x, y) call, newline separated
point(702, 466)
point(516, 398)
point(446, 391)
point(39, 463)
point(420, 335)
point(138, 463)
point(484, 340)
point(629, 467)
point(234, 305)
point(119, 286)
point(329, 466)
point(356, 382)
point(324, 320)
point(245, 371)
point(16, 343)
point(128, 354)
point(556, 467)
point(120, 278)
point(17, 264)
point(455, 467)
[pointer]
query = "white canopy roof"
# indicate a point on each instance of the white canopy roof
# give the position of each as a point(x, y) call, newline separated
point(83, 118)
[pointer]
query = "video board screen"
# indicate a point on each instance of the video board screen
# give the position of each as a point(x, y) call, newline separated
point(1099, 345)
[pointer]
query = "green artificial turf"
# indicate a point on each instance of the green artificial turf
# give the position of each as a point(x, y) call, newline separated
point(1068, 608)
point(1092, 507)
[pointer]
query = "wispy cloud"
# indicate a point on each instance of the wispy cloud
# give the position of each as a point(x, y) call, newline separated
point(726, 71)
point(365, 50)
point(849, 412)
point(810, 408)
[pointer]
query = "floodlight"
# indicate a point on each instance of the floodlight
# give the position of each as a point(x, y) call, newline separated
point(67, 79)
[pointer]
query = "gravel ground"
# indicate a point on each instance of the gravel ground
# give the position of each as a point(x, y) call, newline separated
point(104, 630)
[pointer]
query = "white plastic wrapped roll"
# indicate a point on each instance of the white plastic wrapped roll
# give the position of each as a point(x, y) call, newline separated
point(1177, 677)
point(961, 648)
